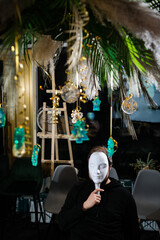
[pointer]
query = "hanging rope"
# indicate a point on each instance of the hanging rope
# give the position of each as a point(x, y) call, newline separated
point(112, 143)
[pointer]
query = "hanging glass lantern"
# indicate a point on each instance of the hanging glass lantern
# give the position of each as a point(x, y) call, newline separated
point(70, 92)
point(129, 106)
point(18, 152)
point(35, 153)
point(2, 118)
point(19, 145)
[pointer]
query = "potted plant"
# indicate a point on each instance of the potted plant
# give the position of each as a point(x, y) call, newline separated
point(149, 164)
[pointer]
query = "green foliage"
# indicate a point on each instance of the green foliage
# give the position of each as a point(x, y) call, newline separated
point(149, 164)
point(112, 49)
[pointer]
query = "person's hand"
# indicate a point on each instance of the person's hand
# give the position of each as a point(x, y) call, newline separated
point(93, 199)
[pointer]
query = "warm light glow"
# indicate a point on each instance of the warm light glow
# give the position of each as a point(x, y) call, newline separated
point(15, 78)
point(24, 106)
point(12, 48)
point(21, 65)
point(23, 89)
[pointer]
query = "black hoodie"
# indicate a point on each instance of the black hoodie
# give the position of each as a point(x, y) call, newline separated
point(115, 218)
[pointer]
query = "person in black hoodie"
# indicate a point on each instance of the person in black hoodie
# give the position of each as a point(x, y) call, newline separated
point(105, 213)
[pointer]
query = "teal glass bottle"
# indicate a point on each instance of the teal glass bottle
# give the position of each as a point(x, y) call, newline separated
point(2, 118)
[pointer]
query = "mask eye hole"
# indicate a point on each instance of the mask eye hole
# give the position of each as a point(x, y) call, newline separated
point(103, 165)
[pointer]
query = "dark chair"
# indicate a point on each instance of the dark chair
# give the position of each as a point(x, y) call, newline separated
point(146, 192)
point(64, 177)
point(23, 180)
point(113, 173)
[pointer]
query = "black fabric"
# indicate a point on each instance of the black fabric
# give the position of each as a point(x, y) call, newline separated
point(115, 218)
point(23, 179)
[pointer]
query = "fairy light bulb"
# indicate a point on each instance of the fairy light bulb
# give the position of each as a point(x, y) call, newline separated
point(15, 78)
point(12, 48)
point(21, 65)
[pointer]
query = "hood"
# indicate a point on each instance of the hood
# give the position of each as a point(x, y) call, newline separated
point(113, 184)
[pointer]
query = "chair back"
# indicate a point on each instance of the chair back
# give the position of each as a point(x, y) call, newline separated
point(113, 173)
point(146, 192)
point(64, 177)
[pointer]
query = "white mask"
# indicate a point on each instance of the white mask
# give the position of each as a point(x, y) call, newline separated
point(98, 167)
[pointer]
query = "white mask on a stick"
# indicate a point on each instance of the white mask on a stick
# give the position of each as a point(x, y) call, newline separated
point(98, 167)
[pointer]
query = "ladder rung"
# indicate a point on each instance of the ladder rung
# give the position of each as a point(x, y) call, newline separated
point(49, 135)
point(50, 109)
point(53, 91)
point(46, 160)
point(63, 161)
point(57, 161)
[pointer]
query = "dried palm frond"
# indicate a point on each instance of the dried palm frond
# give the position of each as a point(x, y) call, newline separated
point(134, 86)
point(75, 40)
point(152, 72)
point(109, 50)
point(152, 79)
point(44, 50)
point(145, 92)
point(136, 17)
point(126, 117)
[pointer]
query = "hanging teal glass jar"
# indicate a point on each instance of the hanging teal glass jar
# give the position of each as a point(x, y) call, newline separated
point(2, 118)
point(19, 144)
point(19, 137)
point(35, 152)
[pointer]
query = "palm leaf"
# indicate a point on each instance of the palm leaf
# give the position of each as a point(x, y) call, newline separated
point(119, 50)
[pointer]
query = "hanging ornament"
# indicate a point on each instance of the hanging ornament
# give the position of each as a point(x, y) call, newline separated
point(75, 115)
point(55, 111)
point(79, 133)
point(82, 71)
point(70, 92)
point(129, 106)
point(35, 153)
point(112, 144)
point(19, 145)
point(83, 96)
point(2, 117)
point(18, 152)
point(96, 104)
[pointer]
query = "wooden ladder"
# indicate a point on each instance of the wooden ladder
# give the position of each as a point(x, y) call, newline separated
point(54, 136)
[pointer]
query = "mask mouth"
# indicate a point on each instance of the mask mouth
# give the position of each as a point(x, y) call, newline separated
point(100, 177)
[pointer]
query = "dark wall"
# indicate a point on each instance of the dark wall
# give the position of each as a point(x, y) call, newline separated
point(1, 129)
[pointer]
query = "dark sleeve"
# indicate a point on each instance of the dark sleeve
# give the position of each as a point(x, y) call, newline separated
point(131, 227)
point(71, 211)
